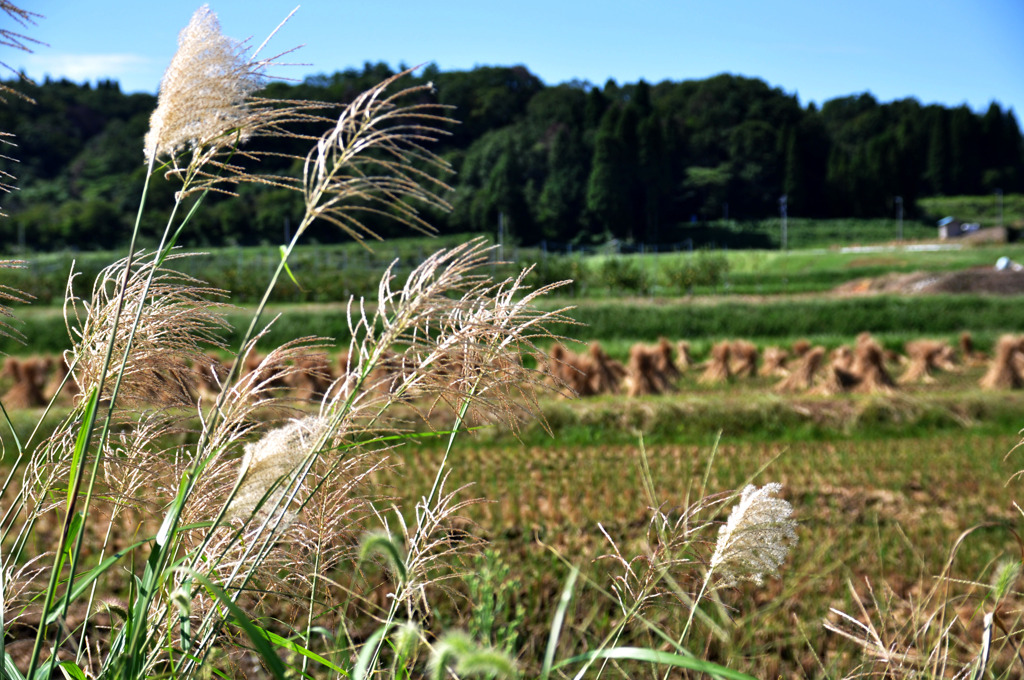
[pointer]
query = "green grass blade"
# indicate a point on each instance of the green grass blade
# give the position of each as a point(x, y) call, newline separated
point(77, 520)
point(287, 269)
point(84, 581)
point(557, 622)
point(367, 654)
point(88, 417)
point(241, 619)
point(14, 432)
point(71, 671)
point(660, 658)
point(9, 671)
point(299, 649)
point(44, 671)
point(3, 628)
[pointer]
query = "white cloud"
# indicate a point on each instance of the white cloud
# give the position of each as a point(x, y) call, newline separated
point(129, 69)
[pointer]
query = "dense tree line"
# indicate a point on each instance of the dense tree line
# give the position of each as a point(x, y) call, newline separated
point(568, 163)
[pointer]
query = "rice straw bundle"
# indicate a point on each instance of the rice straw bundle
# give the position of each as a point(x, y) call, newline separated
point(1003, 372)
point(718, 369)
point(744, 356)
point(606, 374)
point(684, 360)
point(569, 371)
point(647, 371)
point(29, 377)
point(665, 362)
point(869, 367)
point(926, 356)
point(312, 379)
point(801, 347)
point(970, 356)
point(774, 363)
point(803, 373)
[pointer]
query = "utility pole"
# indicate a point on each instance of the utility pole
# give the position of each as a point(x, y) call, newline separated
point(783, 212)
point(501, 237)
point(899, 215)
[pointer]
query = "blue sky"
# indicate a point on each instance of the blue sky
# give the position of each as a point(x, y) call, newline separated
point(940, 51)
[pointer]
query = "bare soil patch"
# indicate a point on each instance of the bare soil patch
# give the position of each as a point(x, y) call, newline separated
point(979, 280)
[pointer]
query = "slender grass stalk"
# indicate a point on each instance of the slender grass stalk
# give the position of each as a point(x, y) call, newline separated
point(86, 430)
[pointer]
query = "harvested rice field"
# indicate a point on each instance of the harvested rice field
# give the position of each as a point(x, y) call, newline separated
point(877, 519)
point(896, 452)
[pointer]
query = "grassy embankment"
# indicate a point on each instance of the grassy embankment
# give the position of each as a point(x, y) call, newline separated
point(331, 273)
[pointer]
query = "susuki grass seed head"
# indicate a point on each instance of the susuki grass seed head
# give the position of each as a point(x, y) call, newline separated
point(756, 538)
point(204, 91)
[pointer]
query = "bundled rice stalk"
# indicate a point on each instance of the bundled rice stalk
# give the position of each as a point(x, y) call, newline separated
point(607, 374)
point(718, 369)
point(801, 347)
point(837, 380)
point(646, 372)
point(313, 378)
point(803, 373)
point(29, 376)
point(858, 365)
point(569, 372)
point(774, 362)
point(969, 355)
point(684, 359)
point(1004, 370)
point(744, 356)
point(665, 362)
point(862, 370)
point(869, 367)
point(926, 357)
point(842, 357)
point(945, 360)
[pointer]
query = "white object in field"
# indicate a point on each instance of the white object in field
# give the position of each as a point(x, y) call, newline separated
point(1004, 263)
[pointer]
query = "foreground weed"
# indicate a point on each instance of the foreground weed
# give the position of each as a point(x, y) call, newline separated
point(135, 545)
point(268, 503)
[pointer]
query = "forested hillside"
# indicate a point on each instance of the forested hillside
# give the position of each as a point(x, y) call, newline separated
point(566, 163)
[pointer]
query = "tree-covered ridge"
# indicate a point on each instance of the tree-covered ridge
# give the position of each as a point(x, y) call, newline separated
point(570, 162)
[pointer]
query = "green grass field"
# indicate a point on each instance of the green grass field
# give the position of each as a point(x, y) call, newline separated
point(326, 273)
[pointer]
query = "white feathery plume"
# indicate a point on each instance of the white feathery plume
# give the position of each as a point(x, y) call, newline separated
point(270, 465)
point(204, 90)
point(757, 537)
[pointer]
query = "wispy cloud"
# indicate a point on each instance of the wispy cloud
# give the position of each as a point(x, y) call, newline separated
point(87, 67)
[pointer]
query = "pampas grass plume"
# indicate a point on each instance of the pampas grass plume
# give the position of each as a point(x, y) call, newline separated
point(273, 459)
point(756, 538)
point(204, 90)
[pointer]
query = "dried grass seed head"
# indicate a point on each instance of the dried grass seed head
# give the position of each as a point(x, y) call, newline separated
point(270, 465)
point(204, 90)
point(13, 295)
point(756, 539)
point(373, 160)
point(180, 317)
point(462, 334)
point(18, 41)
point(206, 105)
